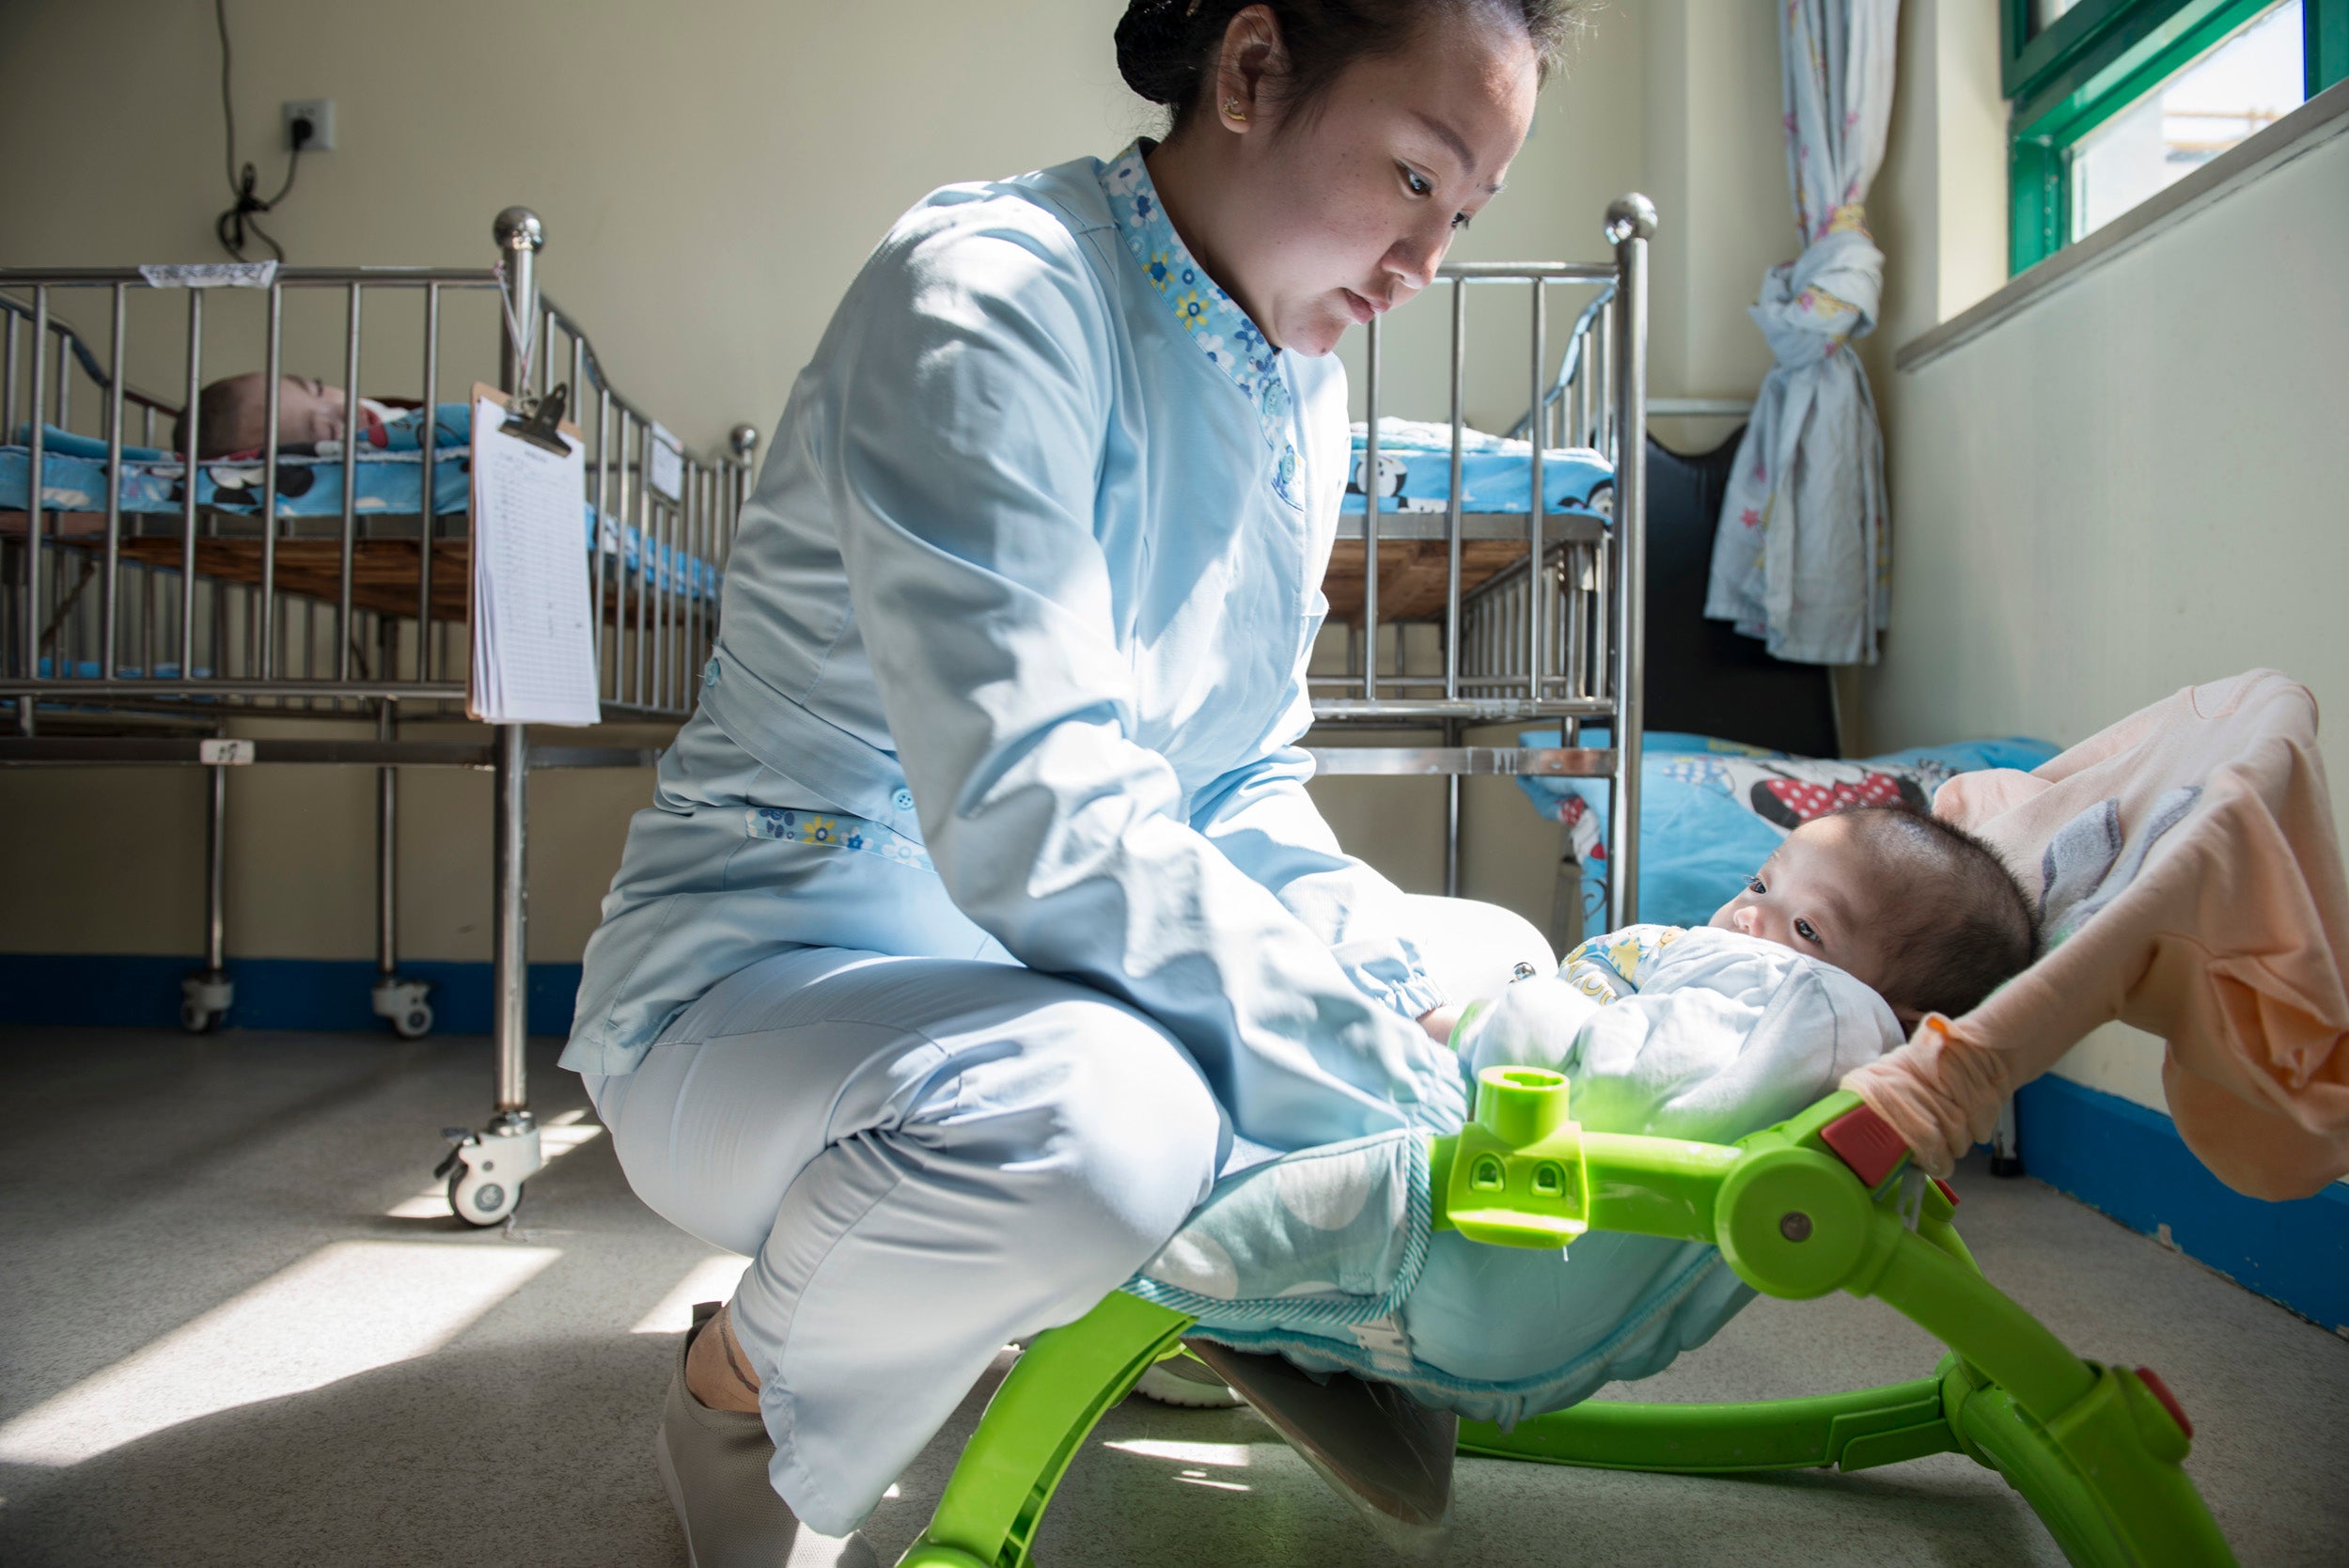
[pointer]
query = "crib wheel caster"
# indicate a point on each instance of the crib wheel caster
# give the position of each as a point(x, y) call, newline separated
point(204, 1000)
point(401, 1004)
point(486, 1169)
point(481, 1203)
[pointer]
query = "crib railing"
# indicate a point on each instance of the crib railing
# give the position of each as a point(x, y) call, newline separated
point(1559, 635)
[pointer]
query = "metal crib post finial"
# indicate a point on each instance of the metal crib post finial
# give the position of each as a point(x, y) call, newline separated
point(518, 228)
point(744, 438)
point(1630, 216)
point(519, 235)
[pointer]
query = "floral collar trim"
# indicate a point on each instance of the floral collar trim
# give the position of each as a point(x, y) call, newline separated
point(1214, 320)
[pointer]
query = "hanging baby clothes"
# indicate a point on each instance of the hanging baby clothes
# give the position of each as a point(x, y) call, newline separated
point(1801, 557)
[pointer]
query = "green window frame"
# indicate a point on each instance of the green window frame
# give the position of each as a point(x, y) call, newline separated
point(2097, 59)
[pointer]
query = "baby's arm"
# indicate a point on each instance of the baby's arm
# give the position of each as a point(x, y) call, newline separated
point(1532, 1024)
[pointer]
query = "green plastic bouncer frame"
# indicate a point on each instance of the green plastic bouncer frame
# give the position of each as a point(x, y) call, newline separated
point(1817, 1203)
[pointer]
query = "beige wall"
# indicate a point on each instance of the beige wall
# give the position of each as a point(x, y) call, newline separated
point(2130, 486)
point(1717, 172)
point(710, 174)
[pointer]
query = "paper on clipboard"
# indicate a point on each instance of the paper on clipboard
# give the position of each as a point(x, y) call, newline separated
point(533, 624)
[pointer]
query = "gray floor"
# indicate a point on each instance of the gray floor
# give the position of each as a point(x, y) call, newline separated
point(218, 1344)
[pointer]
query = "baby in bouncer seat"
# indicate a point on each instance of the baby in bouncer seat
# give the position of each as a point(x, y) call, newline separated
point(1923, 916)
point(1859, 925)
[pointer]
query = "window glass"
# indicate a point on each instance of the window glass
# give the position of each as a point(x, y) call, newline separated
point(2244, 84)
point(2045, 12)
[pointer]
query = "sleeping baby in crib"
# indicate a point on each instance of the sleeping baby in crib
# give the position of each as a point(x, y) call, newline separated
point(1857, 926)
point(232, 417)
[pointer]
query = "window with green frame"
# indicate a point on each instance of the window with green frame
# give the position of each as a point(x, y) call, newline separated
point(2076, 71)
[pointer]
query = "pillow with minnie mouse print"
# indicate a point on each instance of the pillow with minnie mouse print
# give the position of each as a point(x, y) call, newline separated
point(1711, 810)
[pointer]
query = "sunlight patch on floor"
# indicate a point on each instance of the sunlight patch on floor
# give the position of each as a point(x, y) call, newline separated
point(1227, 1456)
point(347, 1309)
point(713, 1279)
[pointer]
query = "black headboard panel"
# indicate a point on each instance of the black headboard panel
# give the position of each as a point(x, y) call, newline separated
point(1703, 677)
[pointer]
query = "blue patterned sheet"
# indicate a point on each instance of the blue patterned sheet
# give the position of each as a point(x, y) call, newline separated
point(1495, 474)
point(309, 484)
point(1711, 810)
point(87, 670)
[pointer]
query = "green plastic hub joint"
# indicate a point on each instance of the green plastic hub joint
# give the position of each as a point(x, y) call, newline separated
point(1516, 1175)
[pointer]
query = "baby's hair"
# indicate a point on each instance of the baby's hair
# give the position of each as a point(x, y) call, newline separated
point(222, 416)
point(1965, 926)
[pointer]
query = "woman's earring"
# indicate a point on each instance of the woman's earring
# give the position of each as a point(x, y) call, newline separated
point(1233, 111)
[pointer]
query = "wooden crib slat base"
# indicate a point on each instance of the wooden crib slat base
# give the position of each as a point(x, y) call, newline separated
point(1412, 575)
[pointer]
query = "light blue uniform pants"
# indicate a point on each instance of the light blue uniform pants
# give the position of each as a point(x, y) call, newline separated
point(925, 1160)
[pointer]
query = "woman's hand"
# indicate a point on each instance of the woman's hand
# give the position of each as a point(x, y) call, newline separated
point(1438, 1023)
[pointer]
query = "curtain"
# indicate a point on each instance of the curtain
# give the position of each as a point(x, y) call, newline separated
point(1800, 558)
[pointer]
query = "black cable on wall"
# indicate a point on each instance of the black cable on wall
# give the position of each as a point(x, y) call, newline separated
point(233, 226)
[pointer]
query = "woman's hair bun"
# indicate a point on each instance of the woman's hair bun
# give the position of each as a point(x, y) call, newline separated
point(1165, 47)
point(1156, 54)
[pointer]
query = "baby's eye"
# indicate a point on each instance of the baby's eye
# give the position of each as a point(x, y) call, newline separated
point(1753, 885)
point(1808, 931)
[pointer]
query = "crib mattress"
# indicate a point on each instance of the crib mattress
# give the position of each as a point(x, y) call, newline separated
point(388, 484)
point(1495, 473)
point(73, 479)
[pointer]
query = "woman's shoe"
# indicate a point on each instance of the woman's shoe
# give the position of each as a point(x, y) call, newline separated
point(1384, 1452)
point(714, 1464)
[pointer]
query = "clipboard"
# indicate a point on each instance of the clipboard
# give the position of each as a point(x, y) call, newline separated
point(534, 651)
point(540, 421)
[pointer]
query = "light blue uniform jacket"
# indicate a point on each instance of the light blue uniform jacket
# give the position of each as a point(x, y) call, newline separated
point(1012, 665)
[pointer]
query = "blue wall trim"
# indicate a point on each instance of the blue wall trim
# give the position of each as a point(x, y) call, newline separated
point(2128, 1162)
point(142, 991)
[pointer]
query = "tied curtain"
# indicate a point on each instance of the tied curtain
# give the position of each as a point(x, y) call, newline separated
point(1801, 558)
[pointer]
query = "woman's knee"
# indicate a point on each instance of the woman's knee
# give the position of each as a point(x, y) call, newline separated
point(1104, 1133)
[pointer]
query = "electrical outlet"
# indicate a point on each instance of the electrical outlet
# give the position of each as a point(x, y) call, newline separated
point(320, 112)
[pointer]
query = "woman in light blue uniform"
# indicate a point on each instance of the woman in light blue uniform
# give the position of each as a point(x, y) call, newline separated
point(983, 905)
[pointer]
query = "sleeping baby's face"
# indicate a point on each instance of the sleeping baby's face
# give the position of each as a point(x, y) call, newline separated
point(1820, 894)
point(236, 413)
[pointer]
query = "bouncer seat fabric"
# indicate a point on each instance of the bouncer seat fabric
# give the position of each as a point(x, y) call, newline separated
point(2191, 883)
point(1328, 1256)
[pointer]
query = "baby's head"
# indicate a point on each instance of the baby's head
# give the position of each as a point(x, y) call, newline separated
point(1922, 913)
point(232, 414)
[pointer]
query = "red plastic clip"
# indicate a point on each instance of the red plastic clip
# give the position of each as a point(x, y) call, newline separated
point(1865, 1142)
point(1947, 1191)
point(2169, 1401)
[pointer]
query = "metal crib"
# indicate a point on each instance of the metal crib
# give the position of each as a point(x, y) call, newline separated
point(138, 637)
point(1537, 614)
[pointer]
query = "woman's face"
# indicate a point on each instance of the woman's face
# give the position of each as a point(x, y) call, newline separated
point(1346, 212)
